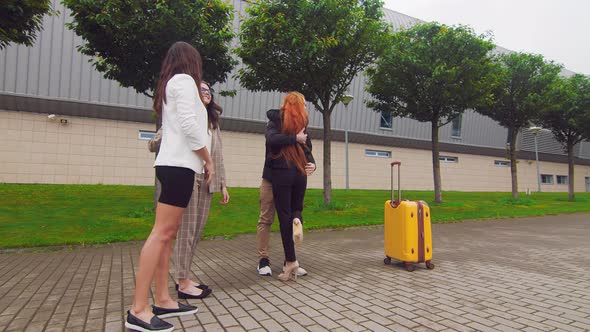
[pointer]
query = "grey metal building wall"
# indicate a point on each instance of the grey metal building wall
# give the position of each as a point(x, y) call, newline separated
point(53, 75)
point(545, 142)
point(548, 145)
point(53, 69)
point(584, 150)
point(477, 130)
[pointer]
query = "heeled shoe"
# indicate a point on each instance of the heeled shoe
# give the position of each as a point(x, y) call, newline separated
point(290, 272)
point(297, 232)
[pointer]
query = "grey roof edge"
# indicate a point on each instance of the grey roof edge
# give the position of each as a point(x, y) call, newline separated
point(14, 102)
point(34, 104)
point(388, 11)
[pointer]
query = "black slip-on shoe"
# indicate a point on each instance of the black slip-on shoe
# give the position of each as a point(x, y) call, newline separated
point(155, 324)
point(204, 294)
point(201, 286)
point(182, 310)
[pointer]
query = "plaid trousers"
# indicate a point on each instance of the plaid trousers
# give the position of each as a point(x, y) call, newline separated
point(193, 221)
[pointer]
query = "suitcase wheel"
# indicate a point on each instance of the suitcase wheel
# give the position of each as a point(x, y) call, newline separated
point(409, 266)
point(387, 261)
point(429, 265)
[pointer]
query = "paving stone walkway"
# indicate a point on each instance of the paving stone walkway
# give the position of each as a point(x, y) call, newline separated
point(528, 274)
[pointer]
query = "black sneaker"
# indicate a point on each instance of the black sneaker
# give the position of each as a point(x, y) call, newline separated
point(182, 310)
point(155, 324)
point(264, 267)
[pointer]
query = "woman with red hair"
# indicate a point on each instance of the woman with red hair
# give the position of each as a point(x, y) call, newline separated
point(289, 176)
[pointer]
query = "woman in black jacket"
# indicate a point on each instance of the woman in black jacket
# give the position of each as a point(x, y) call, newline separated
point(289, 177)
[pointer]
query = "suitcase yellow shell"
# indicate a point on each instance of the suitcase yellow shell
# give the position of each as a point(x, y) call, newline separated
point(408, 231)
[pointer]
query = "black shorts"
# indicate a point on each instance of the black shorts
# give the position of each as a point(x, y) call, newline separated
point(177, 185)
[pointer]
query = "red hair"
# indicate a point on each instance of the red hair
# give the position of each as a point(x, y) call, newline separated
point(294, 117)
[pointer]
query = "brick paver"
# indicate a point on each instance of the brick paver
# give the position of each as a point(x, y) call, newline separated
point(529, 274)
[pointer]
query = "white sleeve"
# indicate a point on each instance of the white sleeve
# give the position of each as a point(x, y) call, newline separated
point(191, 112)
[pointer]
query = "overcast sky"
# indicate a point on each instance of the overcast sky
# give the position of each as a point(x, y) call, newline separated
point(559, 29)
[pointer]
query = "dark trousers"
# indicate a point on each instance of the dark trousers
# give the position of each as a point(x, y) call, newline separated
point(288, 191)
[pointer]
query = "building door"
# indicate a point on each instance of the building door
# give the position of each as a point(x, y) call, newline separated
point(588, 184)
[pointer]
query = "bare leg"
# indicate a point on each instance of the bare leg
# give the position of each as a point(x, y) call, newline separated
point(153, 257)
point(162, 295)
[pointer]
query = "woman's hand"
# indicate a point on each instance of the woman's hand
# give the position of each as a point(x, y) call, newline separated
point(301, 136)
point(209, 172)
point(208, 168)
point(225, 194)
point(309, 168)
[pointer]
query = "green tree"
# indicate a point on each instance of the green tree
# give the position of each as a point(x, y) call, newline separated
point(432, 73)
point(127, 40)
point(523, 84)
point(20, 20)
point(314, 47)
point(566, 113)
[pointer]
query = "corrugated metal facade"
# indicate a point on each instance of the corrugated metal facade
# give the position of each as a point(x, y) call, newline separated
point(547, 144)
point(584, 151)
point(53, 70)
point(477, 130)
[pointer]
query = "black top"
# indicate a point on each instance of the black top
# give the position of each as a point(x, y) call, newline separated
point(275, 140)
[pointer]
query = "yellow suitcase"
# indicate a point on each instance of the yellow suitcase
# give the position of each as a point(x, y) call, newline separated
point(408, 233)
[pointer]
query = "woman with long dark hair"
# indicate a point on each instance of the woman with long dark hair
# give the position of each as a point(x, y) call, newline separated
point(184, 152)
point(195, 216)
point(289, 176)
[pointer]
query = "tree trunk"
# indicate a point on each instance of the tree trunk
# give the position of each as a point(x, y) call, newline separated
point(570, 171)
point(436, 163)
point(513, 173)
point(327, 153)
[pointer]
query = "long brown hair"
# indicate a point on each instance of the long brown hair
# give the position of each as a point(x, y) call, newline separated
point(294, 118)
point(181, 58)
point(213, 109)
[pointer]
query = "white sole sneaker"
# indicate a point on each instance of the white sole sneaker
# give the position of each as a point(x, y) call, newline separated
point(264, 271)
point(300, 271)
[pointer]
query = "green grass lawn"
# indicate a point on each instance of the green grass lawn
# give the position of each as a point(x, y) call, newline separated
point(45, 215)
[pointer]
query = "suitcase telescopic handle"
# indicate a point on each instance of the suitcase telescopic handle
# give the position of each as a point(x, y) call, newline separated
point(399, 190)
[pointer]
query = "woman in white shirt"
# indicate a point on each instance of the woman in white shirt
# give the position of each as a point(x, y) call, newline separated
point(184, 151)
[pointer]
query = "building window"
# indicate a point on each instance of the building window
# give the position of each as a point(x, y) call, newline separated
point(146, 134)
point(547, 178)
point(386, 120)
point(456, 126)
point(377, 153)
point(562, 179)
point(503, 163)
point(448, 159)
